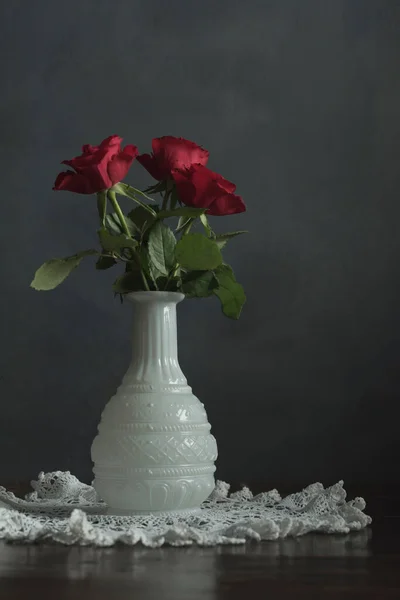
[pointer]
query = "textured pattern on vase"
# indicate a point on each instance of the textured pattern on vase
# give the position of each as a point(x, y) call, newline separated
point(183, 410)
point(154, 450)
point(158, 495)
point(150, 468)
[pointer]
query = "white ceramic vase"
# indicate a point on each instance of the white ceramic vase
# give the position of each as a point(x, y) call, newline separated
point(154, 451)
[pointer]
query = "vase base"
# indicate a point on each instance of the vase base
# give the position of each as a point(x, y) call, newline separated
point(116, 512)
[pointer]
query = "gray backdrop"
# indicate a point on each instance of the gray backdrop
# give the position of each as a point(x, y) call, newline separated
point(298, 102)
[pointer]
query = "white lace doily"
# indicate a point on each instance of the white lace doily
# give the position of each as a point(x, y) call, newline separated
point(64, 510)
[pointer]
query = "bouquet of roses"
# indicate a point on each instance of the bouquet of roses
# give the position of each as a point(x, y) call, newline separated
point(154, 256)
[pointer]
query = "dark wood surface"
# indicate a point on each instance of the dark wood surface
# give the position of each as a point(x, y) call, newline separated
point(363, 565)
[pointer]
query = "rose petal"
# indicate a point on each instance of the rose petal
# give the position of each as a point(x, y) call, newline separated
point(185, 188)
point(200, 187)
point(74, 182)
point(207, 190)
point(226, 185)
point(120, 164)
point(98, 167)
point(230, 204)
point(95, 154)
point(170, 153)
point(203, 188)
point(111, 141)
point(131, 150)
point(88, 149)
point(150, 164)
point(94, 167)
point(178, 153)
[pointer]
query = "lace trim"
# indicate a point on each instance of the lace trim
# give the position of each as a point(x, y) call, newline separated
point(62, 509)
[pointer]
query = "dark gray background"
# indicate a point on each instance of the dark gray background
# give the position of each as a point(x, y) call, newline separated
point(298, 102)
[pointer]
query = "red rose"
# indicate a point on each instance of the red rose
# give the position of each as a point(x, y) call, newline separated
point(98, 168)
point(171, 153)
point(202, 188)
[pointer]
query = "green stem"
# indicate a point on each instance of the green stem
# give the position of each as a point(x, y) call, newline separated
point(175, 272)
point(102, 206)
point(126, 190)
point(121, 258)
point(168, 280)
point(146, 285)
point(188, 227)
point(133, 190)
point(114, 202)
point(114, 255)
point(165, 200)
point(136, 256)
point(185, 231)
point(113, 199)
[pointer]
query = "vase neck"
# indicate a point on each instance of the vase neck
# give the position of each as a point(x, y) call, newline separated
point(154, 340)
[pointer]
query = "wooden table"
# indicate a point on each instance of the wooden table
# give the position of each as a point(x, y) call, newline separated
point(364, 565)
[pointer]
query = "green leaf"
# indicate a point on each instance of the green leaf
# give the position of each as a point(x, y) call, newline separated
point(113, 224)
point(206, 225)
point(161, 186)
point(131, 281)
point(223, 238)
point(105, 262)
point(182, 211)
point(161, 247)
point(130, 192)
point(134, 191)
point(230, 293)
point(150, 271)
point(141, 218)
point(112, 243)
point(197, 252)
point(199, 284)
point(155, 274)
point(54, 271)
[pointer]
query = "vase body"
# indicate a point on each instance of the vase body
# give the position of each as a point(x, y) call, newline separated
point(154, 451)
